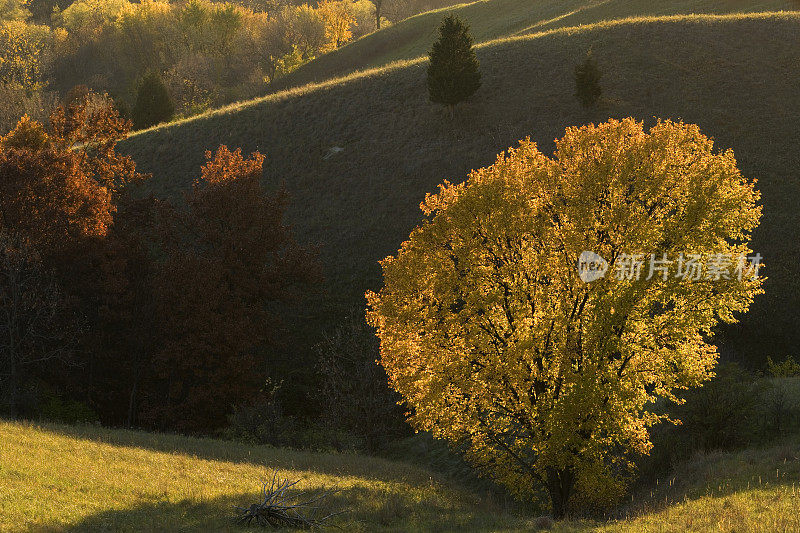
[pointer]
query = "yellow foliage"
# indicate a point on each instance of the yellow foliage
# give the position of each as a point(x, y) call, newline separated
point(338, 20)
point(14, 10)
point(27, 134)
point(25, 50)
point(492, 338)
point(87, 18)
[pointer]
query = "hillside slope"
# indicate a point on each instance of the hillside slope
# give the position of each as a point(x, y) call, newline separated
point(754, 490)
point(62, 478)
point(497, 19)
point(360, 204)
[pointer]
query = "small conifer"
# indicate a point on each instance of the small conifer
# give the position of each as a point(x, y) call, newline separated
point(454, 71)
point(154, 104)
point(587, 82)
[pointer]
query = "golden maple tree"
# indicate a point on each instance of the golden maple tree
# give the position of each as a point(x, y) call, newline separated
point(493, 339)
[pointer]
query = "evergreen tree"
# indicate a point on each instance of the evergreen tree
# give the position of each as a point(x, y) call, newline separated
point(454, 72)
point(587, 82)
point(154, 104)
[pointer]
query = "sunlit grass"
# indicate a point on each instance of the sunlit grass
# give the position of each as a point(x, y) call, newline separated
point(755, 510)
point(86, 478)
point(61, 478)
point(751, 490)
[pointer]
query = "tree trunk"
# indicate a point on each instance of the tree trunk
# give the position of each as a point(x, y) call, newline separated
point(559, 485)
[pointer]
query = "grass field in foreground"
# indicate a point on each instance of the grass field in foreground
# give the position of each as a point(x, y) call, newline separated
point(62, 478)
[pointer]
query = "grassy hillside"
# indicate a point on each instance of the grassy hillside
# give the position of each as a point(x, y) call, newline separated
point(360, 203)
point(497, 19)
point(755, 490)
point(61, 478)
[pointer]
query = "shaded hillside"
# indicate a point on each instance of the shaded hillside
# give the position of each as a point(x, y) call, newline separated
point(360, 203)
point(496, 19)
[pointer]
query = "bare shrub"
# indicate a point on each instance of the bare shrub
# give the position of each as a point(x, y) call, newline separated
point(355, 391)
point(16, 102)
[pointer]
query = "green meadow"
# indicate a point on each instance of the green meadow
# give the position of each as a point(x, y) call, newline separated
point(66, 478)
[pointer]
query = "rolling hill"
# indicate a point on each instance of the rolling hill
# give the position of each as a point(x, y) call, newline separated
point(71, 479)
point(734, 75)
point(498, 19)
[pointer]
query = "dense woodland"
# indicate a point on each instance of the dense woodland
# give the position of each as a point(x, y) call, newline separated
point(147, 313)
point(204, 53)
point(122, 309)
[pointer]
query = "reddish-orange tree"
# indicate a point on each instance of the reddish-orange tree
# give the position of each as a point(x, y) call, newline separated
point(231, 264)
point(59, 190)
point(45, 193)
point(58, 184)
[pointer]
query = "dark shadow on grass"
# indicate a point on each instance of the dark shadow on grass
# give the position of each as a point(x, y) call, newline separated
point(212, 515)
point(366, 510)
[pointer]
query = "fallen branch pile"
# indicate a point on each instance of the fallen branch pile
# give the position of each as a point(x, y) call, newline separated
point(285, 508)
